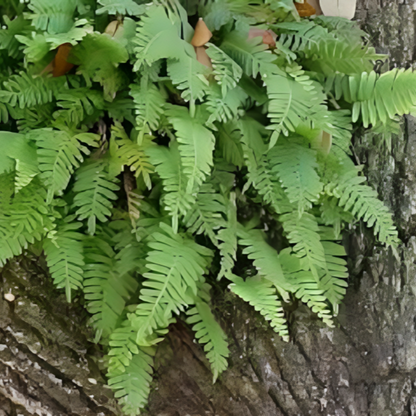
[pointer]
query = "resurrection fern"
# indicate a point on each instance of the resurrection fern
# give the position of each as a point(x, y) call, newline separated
point(155, 164)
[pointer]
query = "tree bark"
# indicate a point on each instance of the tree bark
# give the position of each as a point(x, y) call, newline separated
point(366, 365)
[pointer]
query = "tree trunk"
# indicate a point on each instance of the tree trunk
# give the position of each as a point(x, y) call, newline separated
point(366, 365)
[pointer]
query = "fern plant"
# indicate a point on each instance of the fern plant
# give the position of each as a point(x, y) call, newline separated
point(151, 157)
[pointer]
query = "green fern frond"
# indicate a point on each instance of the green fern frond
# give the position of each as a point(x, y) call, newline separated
point(266, 261)
point(209, 332)
point(79, 105)
point(131, 154)
point(303, 233)
point(260, 293)
point(25, 90)
point(226, 72)
point(97, 57)
point(377, 97)
point(105, 290)
point(251, 55)
point(295, 165)
point(122, 7)
point(130, 252)
point(64, 256)
point(333, 282)
point(130, 369)
point(205, 216)
point(189, 76)
point(308, 290)
point(265, 182)
point(225, 108)
point(343, 29)
point(292, 99)
point(24, 218)
point(8, 41)
point(59, 153)
point(196, 146)
point(149, 105)
point(95, 190)
point(323, 51)
point(132, 386)
point(157, 38)
point(330, 57)
point(176, 264)
point(167, 163)
point(38, 45)
point(18, 154)
point(363, 203)
point(229, 143)
point(55, 16)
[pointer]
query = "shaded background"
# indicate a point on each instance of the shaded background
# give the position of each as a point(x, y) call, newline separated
point(364, 366)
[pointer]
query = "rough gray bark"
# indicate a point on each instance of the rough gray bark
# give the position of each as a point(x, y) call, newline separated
point(366, 365)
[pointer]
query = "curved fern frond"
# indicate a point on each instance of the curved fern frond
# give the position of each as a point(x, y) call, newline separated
point(131, 154)
point(149, 104)
point(226, 72)
point(307, 288)
point(64, 256)
point(225, 108)
point(59, 153)
point(130, 369)
point(251, 55)
point(79, 105)
point(292, 99)
point(25, 90)
point(209, 332)
point(167, 163)
point(189, 76)
point(323, 51)
point(334, 56)
point(157, 38)
point(229, 143)
point(123, 7)
point(105, 290)
point(176, 264)
point(95, 189)
point(260, 293)
point(333, 282)
point(55, 16)
point(363, 203)
point(377, 97)
point(303, 233)
point(24, 218)
point(295, 165)
point(266, 261)
point(133, 385)
point(196, 146)
point(205, 215)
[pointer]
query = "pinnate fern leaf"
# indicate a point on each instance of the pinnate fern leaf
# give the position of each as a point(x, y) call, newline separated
point(157, 38)
point(189, 76)
point(167, 163)
point(122, 7)
point(149, 104)
point(260, 293)
point(176, 264)
point(295, 165)
point(59, 153)
point(95, 190)
point(105, 289)
point(64, 256)
point(209, 332)
point(196, 146)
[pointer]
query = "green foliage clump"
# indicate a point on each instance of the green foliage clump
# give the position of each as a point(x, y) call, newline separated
point(149, 174)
